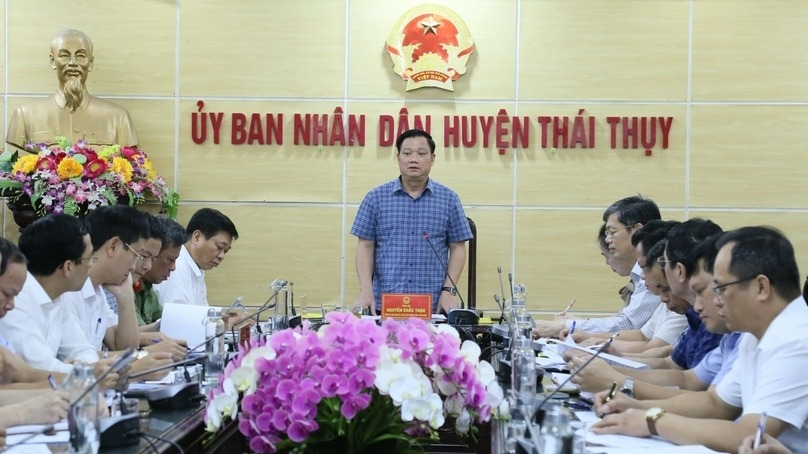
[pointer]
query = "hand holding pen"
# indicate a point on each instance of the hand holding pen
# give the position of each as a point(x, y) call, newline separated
point(563, 313)
point(608, 398)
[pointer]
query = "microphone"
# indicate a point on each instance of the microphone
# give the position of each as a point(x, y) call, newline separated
point(77, 436)
point(292, 299)
point(158, 369)
point(119, 364)
point(501, 288)
point(216, 336)
point(460, 316)
point(602, 349)
point(510, 284)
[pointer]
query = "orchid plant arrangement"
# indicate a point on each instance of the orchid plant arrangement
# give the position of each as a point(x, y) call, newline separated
point(354, 386)
point(74, 179)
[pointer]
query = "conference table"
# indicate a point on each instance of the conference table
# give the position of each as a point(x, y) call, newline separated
point(186, 429)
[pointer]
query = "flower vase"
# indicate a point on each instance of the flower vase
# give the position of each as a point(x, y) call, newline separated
point(22, 210)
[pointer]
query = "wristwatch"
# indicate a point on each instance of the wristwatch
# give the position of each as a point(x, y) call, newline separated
point(628, 387)
point(651, 417)
point(141, 353)
point(450, 290)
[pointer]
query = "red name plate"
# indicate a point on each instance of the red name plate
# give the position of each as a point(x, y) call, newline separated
point(404, 306)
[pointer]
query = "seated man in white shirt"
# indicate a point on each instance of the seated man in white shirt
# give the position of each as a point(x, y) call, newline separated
point(44, 333)
point(623, 218)
point(210, 237)
point(666, 324)
point(118, 235)
point(41, 330)
point(17, 406)
point(666, 383)
point(757, 288)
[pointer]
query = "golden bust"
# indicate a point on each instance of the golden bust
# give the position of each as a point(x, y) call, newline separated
point(71, 112)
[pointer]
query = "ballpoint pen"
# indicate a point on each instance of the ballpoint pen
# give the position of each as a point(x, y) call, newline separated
point(760, 430)
point(569, 306)
point(610, 396)
point(572, 328)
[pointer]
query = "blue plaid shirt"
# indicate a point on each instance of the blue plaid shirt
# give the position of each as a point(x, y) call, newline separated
point(695, 342)
point(404, 261)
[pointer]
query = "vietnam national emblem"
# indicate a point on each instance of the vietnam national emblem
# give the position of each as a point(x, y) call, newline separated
point(430, 46)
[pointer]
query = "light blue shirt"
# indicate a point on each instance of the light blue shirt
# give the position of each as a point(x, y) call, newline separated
point(715, 364)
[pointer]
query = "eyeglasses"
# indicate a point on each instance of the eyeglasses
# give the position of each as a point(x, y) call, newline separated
point(719, 289)
point(90, 260)
point(612, 232)
point(662, 262)
point(137, 255)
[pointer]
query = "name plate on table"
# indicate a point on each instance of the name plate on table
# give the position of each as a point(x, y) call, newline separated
point(404, 306)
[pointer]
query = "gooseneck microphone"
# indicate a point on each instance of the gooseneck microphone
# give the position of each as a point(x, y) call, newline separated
point(445, 268)
point(602, 349)
point(263, 308)
point(163, 367)
point(460, 316)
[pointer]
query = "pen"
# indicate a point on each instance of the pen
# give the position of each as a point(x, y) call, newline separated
point(760, 430)
point(572, 328)
point(610, 396)
point(577, 406)
point(52, 382)
point(569, 306)
point(97, 325)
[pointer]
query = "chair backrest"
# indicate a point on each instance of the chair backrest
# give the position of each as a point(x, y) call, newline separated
point(471, 294)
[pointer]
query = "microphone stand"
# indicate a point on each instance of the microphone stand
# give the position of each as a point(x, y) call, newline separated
point(263, 308)
point(602, 349)
point(158, 369)
point(455, 316)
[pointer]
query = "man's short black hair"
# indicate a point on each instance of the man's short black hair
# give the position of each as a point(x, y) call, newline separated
point(415, 133)
point(684, 237)
point(602, 236)
point(210, 222)
point(125, 222)
point(633, 210)
point(651, 233)
point(52, 240)
point(766, 251)
point(9, 253)
point(174, 234)
point(655, 252)
point(705, 253)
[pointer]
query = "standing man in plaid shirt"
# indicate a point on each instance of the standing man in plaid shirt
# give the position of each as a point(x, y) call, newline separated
point(395, 225)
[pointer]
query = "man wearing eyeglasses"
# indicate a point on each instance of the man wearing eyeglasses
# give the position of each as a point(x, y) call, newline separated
point(119, 238)
point(623, 218)
point(210, 237)
point(678, 265)
point(757, 288)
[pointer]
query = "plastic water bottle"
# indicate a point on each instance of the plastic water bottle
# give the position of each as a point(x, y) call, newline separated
point(556, 433)
point(523, 377)
point(524, 321)
point(214, 347)
point(82, 417)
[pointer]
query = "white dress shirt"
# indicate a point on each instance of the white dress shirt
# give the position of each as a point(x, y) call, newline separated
point(665, 324)
point(44, 332)
point(185, 285)
point(639, 310)
point(769, 375)
point(89, 306)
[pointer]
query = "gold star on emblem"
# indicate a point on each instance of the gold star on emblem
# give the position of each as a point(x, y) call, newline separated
point(430, 25)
